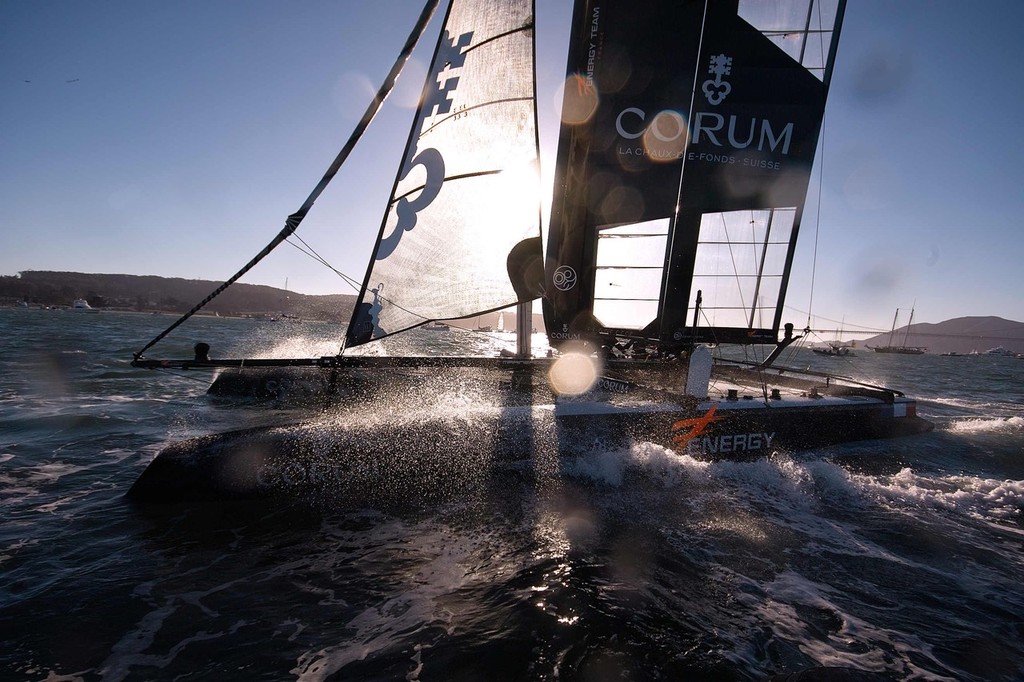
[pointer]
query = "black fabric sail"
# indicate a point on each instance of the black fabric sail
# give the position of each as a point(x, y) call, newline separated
point(689, 130)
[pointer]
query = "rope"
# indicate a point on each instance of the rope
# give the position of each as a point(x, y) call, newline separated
point(292, 223)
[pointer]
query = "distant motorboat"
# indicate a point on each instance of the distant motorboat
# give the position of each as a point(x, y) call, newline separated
point(81, 305)
point(437, 327)
point(835, 350)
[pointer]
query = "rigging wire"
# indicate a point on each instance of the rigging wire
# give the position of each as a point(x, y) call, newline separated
point(732, 257)
point(821, 183)
point(311, 252)
point(306, 249)
point(292, 222)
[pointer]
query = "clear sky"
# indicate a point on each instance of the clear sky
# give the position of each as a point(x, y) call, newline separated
point(174, 139)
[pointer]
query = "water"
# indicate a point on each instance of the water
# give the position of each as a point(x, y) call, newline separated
point(899, 559)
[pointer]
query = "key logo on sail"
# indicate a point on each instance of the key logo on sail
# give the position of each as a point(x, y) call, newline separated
point(715, 89)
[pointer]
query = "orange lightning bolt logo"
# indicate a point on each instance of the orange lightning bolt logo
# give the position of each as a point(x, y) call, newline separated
point(696, 425)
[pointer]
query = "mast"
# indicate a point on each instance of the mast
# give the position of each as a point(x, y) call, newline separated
point(524, 329)
point(892, 329)
point(906, 335)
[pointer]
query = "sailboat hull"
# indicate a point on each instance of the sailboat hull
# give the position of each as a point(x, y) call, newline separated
point(433, 428)
point(900, 350)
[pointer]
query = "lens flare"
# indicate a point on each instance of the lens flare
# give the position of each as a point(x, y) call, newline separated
point(573, 374)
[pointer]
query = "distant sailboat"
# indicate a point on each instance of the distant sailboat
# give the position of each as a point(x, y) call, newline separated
point(836, 347)
point(903, 349)
point(286, 308)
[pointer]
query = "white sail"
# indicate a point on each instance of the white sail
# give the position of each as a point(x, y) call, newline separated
point(465, 211)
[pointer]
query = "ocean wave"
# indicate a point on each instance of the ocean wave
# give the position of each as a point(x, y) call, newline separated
point(983, 498)
point(795, 492)
point(974, 405)
point(988, 425)
point(70, 422)
point(610, 466)
point(802, 610)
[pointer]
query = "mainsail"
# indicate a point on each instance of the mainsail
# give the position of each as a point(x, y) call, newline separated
point(461, 235)
point(689, 129)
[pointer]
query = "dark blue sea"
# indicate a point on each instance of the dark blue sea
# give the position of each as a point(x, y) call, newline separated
point(899, 559)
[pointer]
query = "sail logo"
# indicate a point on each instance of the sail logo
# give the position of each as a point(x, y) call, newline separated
point(595, 23)
point(715, 128)
point(723, 131)
point(564, 278)
point(564, 335)
point(739, 135)
point(451, 56)
point(715, 89)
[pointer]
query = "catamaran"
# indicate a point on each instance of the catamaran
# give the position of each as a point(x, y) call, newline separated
point(688, 133)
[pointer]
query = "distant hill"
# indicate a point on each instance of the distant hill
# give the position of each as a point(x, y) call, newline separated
point(173, 294)
point(167, 294)
point(959, 335)
point(177, 295)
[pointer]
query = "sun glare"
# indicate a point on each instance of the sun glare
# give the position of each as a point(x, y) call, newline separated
point(573, 374)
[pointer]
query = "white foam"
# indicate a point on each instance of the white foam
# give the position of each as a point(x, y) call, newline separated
point(959, 402)
point(128, 651)
point(978, 497)
point(988, 425)
point(267, 342)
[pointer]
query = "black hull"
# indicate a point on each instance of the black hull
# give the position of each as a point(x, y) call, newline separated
point(899, 350)
point(394, 448)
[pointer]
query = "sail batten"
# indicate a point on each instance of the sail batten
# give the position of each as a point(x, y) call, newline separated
point(461, 234)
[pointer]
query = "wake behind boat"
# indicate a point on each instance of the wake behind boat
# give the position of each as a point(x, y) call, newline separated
point(666, 237)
